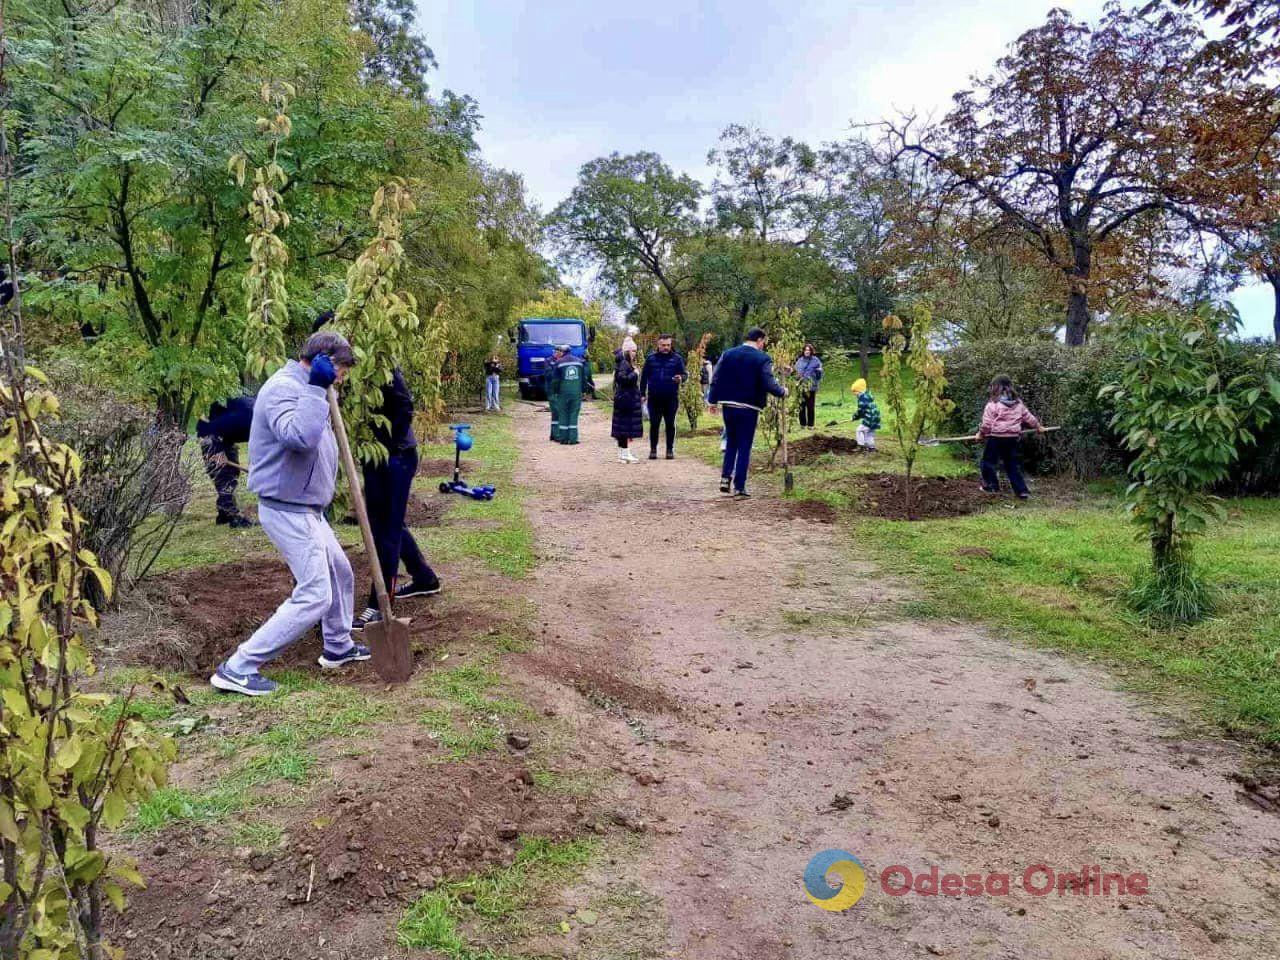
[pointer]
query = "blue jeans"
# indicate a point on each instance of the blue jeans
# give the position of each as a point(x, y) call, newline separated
point(492, 392)
point(740, 433)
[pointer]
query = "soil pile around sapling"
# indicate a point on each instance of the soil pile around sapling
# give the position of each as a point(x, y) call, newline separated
point(817, 511)
point(810, 448)
point(933, 498)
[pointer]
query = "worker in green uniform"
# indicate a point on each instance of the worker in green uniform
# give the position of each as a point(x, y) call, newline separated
point(550, 386)
point(572, 377)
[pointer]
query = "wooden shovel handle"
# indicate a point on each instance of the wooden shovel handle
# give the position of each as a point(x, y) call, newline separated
point(357, 500)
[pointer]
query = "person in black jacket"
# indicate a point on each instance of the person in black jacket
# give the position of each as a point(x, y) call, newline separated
point(628, 421)
point(741, 383)
point(220, 434)
point(660, 381)
point(386, 489)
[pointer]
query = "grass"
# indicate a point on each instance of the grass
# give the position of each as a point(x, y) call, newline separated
point(1056, 576)
point(495, 532)
point(314, 711)
point(439, 919)
point(466, 723)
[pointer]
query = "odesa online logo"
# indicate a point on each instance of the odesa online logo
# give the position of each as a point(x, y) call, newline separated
point(845, 866)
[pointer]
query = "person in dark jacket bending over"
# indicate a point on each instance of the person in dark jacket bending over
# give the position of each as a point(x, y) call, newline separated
point(294, 468)
point(741, 383)
point(221, 433)
point(660, 380)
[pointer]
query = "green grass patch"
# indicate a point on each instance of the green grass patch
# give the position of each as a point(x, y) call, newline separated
point(1056, 576)
point(495, 532)
point(441, 921)
point(466, 723)
point(257, 834)
point(171, 805)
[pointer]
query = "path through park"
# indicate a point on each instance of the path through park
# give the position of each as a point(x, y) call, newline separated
point(776, 700)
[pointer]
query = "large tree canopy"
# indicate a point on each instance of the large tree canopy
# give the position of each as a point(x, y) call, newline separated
point(1072, 140)
point(627, 217)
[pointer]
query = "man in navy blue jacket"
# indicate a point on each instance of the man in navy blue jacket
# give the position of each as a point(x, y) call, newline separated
point(660, 385)
point(741, 383)
point(221, 433)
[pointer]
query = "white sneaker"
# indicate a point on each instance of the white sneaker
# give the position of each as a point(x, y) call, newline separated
point(631, 457)
point(622, 457)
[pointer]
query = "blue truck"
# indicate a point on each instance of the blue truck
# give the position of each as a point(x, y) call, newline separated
point(536, 338)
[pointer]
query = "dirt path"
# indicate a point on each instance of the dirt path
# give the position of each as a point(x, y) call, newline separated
point(764, 669)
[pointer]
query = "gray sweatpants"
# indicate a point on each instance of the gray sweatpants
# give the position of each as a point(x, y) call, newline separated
point(323, 593)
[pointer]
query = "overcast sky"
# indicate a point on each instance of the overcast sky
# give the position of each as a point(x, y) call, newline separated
point(560, 82)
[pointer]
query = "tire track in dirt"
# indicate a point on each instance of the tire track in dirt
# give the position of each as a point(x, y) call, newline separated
point(951, 747)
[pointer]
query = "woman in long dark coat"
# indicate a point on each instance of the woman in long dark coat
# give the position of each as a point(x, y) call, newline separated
point(628, 421)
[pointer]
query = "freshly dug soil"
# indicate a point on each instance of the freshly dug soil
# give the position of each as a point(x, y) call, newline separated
point(816, 510)
point(810, 448)
point(204, 613)
point(348, 865)
point(881, 495)
point(426, 513)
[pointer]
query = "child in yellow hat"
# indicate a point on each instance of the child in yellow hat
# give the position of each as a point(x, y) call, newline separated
point(867, 416)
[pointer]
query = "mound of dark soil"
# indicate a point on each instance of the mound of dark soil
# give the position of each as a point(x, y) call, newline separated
point(882, 495)
point(818, 511)
point(205, 612)
point(348, 864)
point(596, 682)
point(810, 448)
point(426, 513)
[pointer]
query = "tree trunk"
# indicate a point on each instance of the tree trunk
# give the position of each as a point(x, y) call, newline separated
point(1077, 318)
point(1274, 280)
point(1078, 297)
point(864, 354)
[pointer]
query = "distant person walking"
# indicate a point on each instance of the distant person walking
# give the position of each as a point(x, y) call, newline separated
point(492, 384)
point(742, 383)
point(549, 387)
point(809, 372)
point(1003, 421)
point(660, 384)
point(628, 419)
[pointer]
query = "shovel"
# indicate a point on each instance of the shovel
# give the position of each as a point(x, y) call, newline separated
point(388, 639)
point(788, 481)
point(934, 441)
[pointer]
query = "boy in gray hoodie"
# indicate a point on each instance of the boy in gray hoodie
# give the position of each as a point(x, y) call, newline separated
point(294, 465)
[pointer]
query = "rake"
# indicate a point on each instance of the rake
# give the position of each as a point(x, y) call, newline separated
point(934, 441)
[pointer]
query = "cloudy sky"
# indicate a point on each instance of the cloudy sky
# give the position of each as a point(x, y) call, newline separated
point(560, 82)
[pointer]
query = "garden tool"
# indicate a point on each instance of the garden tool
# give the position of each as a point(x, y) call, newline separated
point(388, 638)
point(934, 441)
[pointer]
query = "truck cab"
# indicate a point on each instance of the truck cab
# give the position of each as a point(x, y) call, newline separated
point(536, 339)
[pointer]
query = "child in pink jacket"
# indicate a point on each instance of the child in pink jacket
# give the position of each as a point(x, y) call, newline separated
point(1003, 421)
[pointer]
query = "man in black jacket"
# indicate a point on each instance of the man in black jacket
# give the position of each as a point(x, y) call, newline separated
point(220, 434)
point(741, 383)
point(660, 384)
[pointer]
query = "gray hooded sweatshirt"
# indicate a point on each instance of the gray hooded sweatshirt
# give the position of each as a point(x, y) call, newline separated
point(292, 449)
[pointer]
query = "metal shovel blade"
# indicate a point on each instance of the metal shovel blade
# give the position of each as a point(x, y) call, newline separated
point(388, 641)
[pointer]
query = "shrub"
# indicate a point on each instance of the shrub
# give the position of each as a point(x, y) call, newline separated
point(1060, 384)
point(1184, 418)
point(133, 485)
